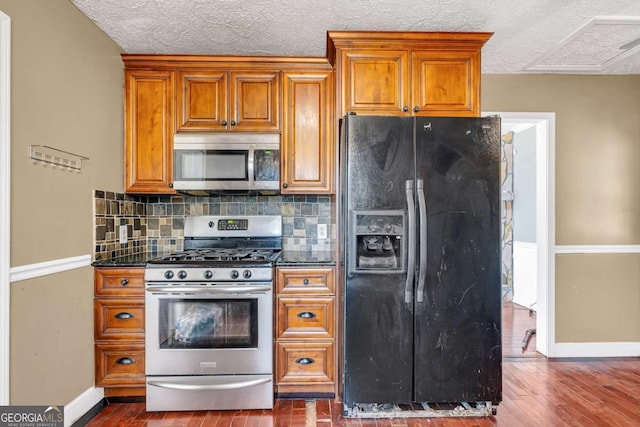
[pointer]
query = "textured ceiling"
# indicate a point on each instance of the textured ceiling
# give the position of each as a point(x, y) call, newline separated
point(529, 35)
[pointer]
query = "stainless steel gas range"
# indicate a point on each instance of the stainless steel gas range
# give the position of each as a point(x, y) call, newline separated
point(209, 316)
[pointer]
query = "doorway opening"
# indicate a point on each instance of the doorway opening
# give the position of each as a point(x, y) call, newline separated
point(528, 305)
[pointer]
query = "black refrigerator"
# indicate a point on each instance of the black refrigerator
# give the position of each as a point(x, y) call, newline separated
point(420, 247)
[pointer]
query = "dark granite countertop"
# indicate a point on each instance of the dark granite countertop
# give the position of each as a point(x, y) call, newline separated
point(288, 258)
point(306, 258)
point(137, 260)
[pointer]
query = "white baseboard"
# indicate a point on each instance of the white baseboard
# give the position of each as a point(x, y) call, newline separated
point(596, 349)
point(74, 410)
point(31, 271)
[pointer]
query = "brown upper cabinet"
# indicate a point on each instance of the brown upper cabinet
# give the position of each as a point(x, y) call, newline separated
point(407, 73)
point(165, 94)
point(221, 100)
point(148, 110)
point(307, 152)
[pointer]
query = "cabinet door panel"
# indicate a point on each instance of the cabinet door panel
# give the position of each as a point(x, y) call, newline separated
point(120, 282)
point(307, 148)
point(119, 365)
point(375, 82)
point(255, 101)
point(304, 362)
point(445, 83)
point(119, 319)
point(149, 131)
point(202, 100)
point(317, 281)
point(305, 318)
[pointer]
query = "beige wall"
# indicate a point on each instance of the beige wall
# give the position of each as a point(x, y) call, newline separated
point(597, 199)
point(602, 302)
point(66, 92)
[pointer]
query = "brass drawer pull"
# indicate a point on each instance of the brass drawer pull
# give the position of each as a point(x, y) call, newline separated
point(125, 361)
point(305, 361)
point(124, 315)
point(306, 315)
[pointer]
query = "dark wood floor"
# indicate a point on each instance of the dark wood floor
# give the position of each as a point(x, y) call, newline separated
point(516, 320)
point(536, 392)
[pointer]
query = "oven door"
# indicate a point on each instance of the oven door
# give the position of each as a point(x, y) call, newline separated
point(212, 330)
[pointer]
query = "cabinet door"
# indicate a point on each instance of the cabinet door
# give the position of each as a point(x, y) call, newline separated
point(119, 282)
point(202, 100)
point(255, 101)
point(307, 153)
point(149, 131)
point(446, 83)
point(119, 365)
point(305, 367)
point(375, 82)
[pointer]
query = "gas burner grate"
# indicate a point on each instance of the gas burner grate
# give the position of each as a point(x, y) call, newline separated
point(221, 255)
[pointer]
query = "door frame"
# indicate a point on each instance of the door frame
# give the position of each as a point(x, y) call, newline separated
point(545, 124)
point(5, 199)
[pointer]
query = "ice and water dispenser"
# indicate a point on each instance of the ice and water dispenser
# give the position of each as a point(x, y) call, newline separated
point(377, 242)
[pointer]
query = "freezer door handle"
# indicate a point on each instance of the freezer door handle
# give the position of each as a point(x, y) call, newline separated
point(422, 272)
point(411, 256)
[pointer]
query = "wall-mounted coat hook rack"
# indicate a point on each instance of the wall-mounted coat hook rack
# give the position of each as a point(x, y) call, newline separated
point(46, 155)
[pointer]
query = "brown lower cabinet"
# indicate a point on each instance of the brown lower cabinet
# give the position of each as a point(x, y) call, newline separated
point(118, 309)
point(305, 340)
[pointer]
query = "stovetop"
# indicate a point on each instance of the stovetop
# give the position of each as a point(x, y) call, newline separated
point(212, 255)
point(222, 248)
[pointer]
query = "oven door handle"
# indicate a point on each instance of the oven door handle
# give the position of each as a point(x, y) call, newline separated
point(199, 387)
point(209, 289)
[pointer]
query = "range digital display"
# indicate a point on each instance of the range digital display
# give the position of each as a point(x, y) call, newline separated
point(233, 224)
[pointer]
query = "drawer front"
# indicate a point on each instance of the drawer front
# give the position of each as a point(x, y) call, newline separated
point(304, 363)
point(305, 280)
point(119, 319)
point(119, 365)
point(305, 318)
point(119, 281)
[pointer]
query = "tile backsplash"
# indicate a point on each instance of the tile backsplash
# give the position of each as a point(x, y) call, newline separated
point(156, 223)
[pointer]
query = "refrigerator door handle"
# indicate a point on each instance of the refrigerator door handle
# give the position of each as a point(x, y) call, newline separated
point(422, 205)
point(411, 256)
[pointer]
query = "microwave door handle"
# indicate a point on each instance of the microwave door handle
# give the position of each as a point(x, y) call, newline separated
point(251, 163)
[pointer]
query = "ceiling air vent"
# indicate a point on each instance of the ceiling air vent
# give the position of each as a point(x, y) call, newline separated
point(594, 47)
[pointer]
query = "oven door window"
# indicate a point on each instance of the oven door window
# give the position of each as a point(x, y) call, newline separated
point(211, 165)
point(204, 323)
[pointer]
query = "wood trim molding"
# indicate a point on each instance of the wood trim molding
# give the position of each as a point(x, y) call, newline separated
point(598, 249)
point(5, 200)
point(31, 271)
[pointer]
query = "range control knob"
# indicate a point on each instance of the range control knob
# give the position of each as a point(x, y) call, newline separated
point(234, 274)
point(208, 274)
point(246, 274)
point(182, 274)
point(168, 274)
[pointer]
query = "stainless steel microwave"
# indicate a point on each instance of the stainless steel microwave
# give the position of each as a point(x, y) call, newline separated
point(218, 162)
